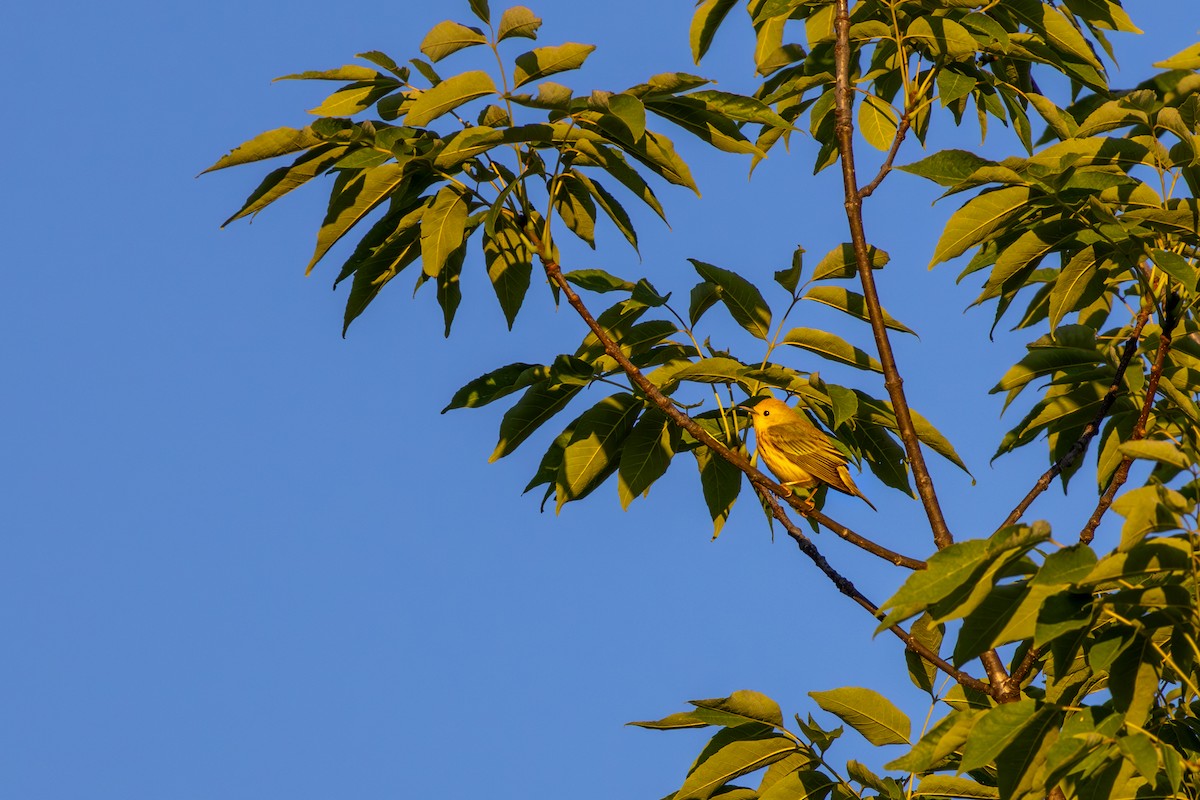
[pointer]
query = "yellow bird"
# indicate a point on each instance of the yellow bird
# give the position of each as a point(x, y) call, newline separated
point(798, 452)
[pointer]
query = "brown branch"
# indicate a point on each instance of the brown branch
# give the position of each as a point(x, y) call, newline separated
point(863, 542)
point(1089, 432)
point(897, 140)
point(1032, 656)
point(846, 587)
point(1139, 429)
point(892, 380)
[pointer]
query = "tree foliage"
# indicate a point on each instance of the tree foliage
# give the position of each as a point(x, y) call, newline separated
point(1086, 240)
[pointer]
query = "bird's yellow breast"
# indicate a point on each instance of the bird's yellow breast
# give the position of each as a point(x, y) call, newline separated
point(785, 469)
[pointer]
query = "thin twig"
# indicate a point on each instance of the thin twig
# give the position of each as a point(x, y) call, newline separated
point(892, 380)
point(1081, 445)
point(846, 587)
point(1139, 429)
point(554, 273)
point(897, 140)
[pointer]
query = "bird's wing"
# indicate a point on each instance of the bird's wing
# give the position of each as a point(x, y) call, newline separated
point(812, 449)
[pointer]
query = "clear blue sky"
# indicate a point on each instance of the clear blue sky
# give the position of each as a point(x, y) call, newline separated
point(243, 557)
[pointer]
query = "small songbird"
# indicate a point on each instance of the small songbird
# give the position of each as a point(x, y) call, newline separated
point(798, 452)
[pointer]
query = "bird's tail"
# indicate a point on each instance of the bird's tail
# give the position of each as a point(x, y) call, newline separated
point(844, 474)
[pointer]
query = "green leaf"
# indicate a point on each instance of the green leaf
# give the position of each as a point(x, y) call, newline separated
point(877, 121)
point(449, 290)
point(1045, 361)
point(355, 97)
point(611, 206)
point(1177, 267)
point(799, 785)
point(510, 267)
point(488, 387)
point(943, 36)
point(1078, 278)
point(954, 85)
point(632, 113)
point(594, 449)
point(733, 752)
point(442, 229)
point(671, 722)
point(789, 278)
point(953, 786)
point(352, 201)
point(269, 144)
point(645, 456)
point(575, 207)
point(543, 61)
point(852, 303)
point(868, 712)
point(995, 731)
point(390, 246)
point(1161, 451)
point(539, 403)
point(977, 219)
point(721, 482)
point(704, 296)
point(518, 21)
point(480, 9)
point(614, 163)
point(828, 346)
point(950, 572)
point(744, 301)
point(1188, 58)
point(449, 95)
point(348, 72)
point(283, 180)
point(705, 20)
point(739, 708)
point(709, 126)
point(740, 107)
point(840, 262)
point(597, 280)
point(449, 37)
point(925, 631)
point(946, 167)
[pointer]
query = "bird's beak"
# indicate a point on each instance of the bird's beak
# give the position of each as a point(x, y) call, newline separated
point(746, 408)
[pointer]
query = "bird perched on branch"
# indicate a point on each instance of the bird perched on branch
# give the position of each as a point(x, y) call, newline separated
point(798, 452)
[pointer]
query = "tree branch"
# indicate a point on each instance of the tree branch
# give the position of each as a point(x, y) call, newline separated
point(1139, 429)
point(846, 587)
point(554, 273)
point(1080, 447)
point(886, 167)
point(892, 379)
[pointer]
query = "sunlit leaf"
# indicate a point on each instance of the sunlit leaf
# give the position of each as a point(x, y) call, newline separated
point(544, 61)
point(449, 95)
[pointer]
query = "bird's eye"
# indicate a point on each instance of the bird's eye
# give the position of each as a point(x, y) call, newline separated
point(766, 413)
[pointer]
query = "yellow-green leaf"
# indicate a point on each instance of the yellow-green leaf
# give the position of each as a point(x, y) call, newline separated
point(518, 21)
point(543, 61)
point(442, 229)
point(448, 95)
point(449, 37)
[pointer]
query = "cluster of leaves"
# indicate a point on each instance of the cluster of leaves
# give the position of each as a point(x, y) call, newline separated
point(625, 435)
point(907, 54)
point(430, 190)
point(1107, 650)
point(1099, 204)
